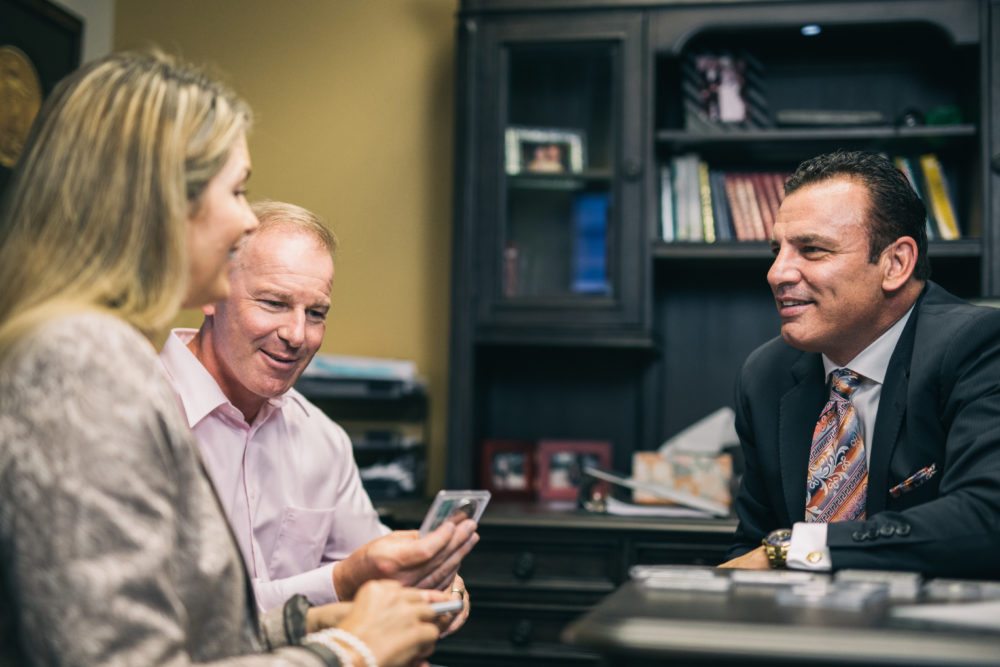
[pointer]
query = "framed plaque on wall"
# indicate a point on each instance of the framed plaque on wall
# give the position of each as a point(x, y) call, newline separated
point(40, 43)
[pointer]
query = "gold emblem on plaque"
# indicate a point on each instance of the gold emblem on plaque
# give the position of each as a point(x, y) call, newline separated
point(20, 99)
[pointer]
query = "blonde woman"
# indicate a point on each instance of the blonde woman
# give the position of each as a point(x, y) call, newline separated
point(126, 204)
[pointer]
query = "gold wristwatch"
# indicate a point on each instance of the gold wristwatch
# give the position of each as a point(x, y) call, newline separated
point(776, 546)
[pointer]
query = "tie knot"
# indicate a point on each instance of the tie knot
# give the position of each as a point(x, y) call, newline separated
point(844, 382)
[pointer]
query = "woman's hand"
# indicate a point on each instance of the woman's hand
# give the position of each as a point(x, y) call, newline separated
point(396, 623)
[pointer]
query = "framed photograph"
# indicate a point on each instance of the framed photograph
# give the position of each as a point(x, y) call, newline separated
point(508, 469)
point(561, 464)
point(538, 150)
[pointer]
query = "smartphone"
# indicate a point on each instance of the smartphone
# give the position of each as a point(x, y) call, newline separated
point(447, 607)
point(455, 506)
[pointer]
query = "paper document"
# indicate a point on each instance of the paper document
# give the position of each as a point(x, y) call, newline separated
point(621, 508)
point(680, 497)
point(363, 368)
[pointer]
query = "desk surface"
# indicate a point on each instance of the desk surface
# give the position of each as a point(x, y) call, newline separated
point(561, 516)
point(746, 625)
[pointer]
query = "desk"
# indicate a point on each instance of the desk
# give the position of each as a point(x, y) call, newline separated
point(538, 567)
point(637, 626)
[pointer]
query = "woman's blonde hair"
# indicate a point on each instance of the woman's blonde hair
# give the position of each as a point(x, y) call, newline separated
point(96, 215)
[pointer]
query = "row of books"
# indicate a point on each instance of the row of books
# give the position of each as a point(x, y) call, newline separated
point(928, 178)
point(704, 205)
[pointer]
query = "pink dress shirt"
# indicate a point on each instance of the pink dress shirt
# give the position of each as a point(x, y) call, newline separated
point(288, 482)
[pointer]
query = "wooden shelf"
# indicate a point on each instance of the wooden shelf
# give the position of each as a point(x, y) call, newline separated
point(561, 181)
point(741, 250)
point(682, 138)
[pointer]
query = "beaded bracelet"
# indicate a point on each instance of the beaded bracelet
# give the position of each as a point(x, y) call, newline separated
point(323, 638)
point(359, 646)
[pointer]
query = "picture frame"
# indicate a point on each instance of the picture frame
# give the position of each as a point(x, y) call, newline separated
point(508, 469)
point(40, 43)
point(561, 464)
point(541, 150)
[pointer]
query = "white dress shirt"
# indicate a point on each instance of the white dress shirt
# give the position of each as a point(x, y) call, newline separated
point(808, 550)
point(288, 482)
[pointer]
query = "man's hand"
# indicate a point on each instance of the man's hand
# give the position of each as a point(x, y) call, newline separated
point(752, 560)
point(431, 561)
point(452, 622)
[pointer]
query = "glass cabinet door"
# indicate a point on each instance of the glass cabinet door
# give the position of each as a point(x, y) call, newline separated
point(560, 195)
point(558, 144)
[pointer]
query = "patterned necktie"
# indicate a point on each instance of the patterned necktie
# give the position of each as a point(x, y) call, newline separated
point(838, 471)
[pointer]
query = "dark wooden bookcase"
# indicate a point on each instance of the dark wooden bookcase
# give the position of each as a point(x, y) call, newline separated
point(534, 356)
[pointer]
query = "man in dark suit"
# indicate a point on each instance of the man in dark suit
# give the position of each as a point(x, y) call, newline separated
point(871, 427)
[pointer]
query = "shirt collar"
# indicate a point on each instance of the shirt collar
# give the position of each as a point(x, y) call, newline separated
point(199, 393)
point(873, 361)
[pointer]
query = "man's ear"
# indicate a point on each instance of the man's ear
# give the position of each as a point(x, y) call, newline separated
point(208, 310)
point(898, 261)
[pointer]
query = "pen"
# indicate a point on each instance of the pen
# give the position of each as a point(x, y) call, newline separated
point(913, 481)
point(447, 607)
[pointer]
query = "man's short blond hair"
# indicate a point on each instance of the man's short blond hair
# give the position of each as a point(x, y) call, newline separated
point(277, 214)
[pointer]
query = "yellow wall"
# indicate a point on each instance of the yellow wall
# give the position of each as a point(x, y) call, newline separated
point(353, 105)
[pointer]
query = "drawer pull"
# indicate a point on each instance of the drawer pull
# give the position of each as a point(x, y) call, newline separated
point(520, 634)
point(524, 565)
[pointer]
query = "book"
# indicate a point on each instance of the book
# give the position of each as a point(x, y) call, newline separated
point(590, 248)
point(762, 193)
point(741, 225)
point(705, 197)
point(666, 204)
point(720, 206)
point(687, 198)
point(679, 173)
point(756, 222)
point(904, 165)
point(939, 196)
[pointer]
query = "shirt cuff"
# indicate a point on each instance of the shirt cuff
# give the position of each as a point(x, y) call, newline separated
point(317, 585)
point(808, 550)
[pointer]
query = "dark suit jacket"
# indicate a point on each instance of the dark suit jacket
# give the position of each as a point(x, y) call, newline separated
point(940, 404)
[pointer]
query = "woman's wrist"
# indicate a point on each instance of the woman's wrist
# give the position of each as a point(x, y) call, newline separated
point(348, 649)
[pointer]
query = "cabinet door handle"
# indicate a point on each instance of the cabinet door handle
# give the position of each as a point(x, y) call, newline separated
point(520, 634)
point(524, 565)
point(632, 169)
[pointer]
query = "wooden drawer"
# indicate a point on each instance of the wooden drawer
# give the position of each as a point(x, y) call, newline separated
point(518, 634)
point(589, 563)
point(686, 553)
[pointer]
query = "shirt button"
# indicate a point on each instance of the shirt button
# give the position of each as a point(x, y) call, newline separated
point(814, 557)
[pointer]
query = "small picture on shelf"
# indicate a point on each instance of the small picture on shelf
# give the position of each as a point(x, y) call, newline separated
point(508, 468)
point(723, 90)
point(544, 150)
point(561, 464)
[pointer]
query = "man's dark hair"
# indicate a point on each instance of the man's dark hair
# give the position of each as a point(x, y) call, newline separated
point(894, 209)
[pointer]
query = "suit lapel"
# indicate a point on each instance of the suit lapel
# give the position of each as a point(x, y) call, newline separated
point(800, 408)
point(891, 408)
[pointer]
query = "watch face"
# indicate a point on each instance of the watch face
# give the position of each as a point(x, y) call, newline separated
point(778, 537)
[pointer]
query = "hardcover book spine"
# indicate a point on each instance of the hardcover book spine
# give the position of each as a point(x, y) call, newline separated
point(903, 164)
point(666, 204)
point(705, 196)
point(761, 191)
point(756, 230)
point(940, 197)
point(720, 207)
point(736, 208)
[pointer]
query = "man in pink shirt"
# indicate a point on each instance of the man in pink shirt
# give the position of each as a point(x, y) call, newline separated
point(284, 472)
